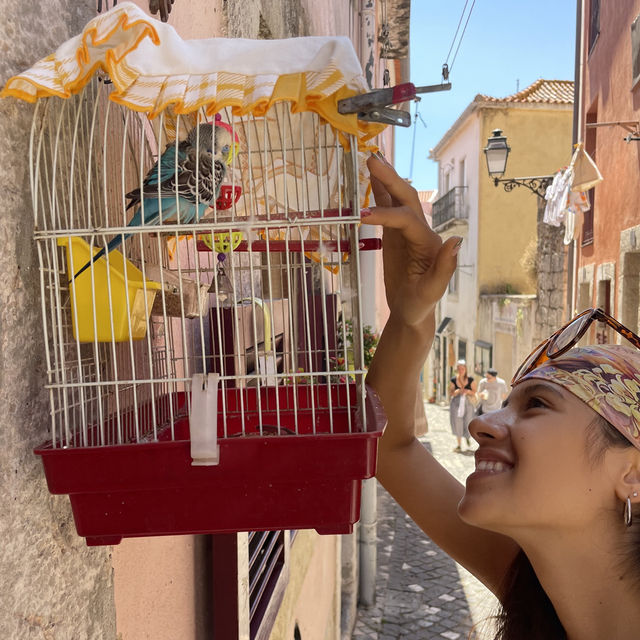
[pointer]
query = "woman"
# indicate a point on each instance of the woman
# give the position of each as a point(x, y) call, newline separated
point(543, 521)
point(462, 391)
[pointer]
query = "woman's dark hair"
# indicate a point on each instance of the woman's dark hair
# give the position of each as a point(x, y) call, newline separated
point(526, 612)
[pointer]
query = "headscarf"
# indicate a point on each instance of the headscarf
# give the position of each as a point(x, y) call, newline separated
point(606, 377)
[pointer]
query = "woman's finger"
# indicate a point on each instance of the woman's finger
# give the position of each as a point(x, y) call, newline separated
point(444, 266)
point(381, 196)
point(402, 218)
point(398, 188)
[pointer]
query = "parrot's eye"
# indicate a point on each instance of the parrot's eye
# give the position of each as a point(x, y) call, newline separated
point(225, 149)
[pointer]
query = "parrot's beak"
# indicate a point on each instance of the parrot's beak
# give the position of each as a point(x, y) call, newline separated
point(233, 152)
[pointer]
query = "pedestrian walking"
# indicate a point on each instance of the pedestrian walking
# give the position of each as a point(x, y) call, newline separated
point(492, 391)
point(550, 518)
point(462, 398)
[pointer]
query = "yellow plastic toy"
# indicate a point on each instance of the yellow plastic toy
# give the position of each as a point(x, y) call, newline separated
point(113, 321)
point(223, 242)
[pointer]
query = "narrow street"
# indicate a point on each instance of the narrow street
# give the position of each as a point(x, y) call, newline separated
point(421, 593)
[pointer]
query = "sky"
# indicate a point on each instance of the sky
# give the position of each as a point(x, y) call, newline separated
point(508, 44)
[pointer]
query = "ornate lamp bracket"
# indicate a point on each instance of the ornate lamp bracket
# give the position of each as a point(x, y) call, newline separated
point(536, 184)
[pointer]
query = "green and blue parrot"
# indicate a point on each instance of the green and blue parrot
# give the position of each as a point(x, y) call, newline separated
point(210, 149)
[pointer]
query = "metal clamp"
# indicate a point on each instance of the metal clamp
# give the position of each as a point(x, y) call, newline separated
point(373, 106)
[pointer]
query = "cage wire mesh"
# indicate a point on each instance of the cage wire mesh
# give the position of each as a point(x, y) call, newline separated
point(262, 290)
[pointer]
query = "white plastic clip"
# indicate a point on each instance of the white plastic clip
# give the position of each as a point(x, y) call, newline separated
point(203, 425)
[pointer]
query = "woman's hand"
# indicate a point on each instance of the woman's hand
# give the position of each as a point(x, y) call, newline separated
point(417, 264)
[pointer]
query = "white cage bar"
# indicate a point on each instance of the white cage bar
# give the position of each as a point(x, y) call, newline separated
point(265, 293)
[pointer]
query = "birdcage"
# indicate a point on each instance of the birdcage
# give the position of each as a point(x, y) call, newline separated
point(201, 301)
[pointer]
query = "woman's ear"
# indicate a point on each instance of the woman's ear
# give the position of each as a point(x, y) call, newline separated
point(628, 483)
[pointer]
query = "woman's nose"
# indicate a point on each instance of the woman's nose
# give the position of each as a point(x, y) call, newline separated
point(490, 426)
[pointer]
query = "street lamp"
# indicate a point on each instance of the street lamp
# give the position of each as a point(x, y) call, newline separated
point(497, 153)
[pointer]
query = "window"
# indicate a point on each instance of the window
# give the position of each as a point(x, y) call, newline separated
point(630, 299)
point(259, 560)
point(635, 52)
point(483, 352)
point(462, 173)
point(453, 283)
point(594, 22)
point(604, 333)
point(590, 148)
point(446, 180)
point(266, 563)
point(462, 349)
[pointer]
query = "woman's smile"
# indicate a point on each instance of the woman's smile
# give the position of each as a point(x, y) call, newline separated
point(490, 462)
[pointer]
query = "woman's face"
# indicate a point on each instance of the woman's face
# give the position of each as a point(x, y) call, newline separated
point(532, 468)
point(461, 369)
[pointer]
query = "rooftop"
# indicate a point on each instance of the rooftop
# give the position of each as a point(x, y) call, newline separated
point(545, 91)
point(558, 94)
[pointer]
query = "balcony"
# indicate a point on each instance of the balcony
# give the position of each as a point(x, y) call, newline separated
point(451, 208)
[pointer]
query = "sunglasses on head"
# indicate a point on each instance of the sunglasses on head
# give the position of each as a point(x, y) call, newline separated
point(568, 336)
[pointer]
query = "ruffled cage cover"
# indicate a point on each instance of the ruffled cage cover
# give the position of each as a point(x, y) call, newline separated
point(153, 69)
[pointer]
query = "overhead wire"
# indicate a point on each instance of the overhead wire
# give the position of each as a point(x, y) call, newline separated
point(462, 34)
point(457, 29)
point(413, 141)
point(446, 69)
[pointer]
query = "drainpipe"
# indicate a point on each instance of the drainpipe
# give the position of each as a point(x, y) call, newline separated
point(572, 258)
point(367, 529)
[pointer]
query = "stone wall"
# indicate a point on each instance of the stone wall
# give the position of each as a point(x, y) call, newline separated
point(56, 588)
point(551, 274)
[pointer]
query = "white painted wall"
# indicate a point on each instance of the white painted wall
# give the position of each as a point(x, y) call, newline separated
point(464, 146)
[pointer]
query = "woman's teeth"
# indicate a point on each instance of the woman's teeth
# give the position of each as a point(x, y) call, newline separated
point(492, 465)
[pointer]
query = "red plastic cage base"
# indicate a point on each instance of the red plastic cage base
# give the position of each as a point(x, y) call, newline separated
point(309, 481)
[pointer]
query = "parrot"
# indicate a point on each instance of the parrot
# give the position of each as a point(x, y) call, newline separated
point(216, 151)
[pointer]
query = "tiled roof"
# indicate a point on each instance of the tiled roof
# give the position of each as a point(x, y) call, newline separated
point(541, 91)
point(427, 196)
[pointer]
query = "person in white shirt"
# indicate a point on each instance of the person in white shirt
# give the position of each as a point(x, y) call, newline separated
point(492, 391)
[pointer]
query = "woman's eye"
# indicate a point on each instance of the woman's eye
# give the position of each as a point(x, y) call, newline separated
point(533, 402)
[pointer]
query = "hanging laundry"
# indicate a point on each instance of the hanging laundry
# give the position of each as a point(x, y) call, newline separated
point(577, 202)
point(556, 197)
point(587, 175)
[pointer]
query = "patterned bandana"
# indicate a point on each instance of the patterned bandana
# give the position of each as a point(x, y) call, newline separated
point(606, 377)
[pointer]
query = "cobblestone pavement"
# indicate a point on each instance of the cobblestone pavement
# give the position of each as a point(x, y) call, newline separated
point(421, 593)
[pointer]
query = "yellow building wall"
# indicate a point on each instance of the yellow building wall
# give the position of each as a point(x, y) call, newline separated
point(312, 597)
point(540, 141)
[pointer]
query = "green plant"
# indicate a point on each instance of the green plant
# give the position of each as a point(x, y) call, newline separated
point(369, 342)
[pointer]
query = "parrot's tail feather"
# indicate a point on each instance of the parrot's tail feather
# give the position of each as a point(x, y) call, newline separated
point(113, 244)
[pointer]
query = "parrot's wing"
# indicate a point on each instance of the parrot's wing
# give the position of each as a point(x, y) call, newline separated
point(220, 171)
point(161, 172)
point(202, 189)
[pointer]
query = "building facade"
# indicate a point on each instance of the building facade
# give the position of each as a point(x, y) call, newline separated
point(488, 315)
point(605, 272)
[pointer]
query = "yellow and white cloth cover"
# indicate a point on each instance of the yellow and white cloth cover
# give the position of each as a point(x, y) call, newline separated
point(153, 68)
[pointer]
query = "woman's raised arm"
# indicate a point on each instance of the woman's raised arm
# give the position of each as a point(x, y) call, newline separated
point(417, 269)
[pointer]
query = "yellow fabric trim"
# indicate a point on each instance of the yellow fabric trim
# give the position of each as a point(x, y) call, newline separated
point(112, 58)
point(65, 73)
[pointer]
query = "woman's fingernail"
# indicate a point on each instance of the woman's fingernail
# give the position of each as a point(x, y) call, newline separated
point(365, 212)
point(456, 246)
point(381, 157)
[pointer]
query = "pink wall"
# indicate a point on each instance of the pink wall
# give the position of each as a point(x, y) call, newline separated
point(208, 12)
point(155, 589)
point(607, 86)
